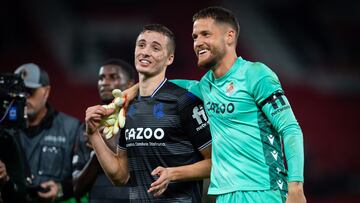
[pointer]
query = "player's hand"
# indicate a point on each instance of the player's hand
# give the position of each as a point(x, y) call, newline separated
point(158, 187)
point(3, 174)
point(130, 94)
point(296, 193)
point(51, 193)
point(93, 117)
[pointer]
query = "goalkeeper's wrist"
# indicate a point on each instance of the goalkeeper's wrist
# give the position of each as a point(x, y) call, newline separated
point(295, 187)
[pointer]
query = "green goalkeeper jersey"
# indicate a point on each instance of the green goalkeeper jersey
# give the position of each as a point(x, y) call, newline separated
point(250, 119)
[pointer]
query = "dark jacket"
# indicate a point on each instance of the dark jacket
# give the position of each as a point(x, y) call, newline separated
point(48, 149)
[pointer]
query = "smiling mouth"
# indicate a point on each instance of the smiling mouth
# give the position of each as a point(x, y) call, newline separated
point(202, 52)
point(144, 62)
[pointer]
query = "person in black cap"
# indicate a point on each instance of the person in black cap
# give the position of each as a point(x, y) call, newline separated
point(48, 142)
point(37, 85)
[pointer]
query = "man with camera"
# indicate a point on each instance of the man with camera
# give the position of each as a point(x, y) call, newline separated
point(46, 144)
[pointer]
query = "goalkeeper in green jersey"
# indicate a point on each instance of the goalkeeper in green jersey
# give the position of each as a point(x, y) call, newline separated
point(251, 120)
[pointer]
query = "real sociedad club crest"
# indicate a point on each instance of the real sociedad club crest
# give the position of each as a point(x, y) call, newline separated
point(158, 110)
point(230, 89)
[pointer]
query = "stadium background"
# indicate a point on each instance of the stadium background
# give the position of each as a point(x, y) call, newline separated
point(313, 46)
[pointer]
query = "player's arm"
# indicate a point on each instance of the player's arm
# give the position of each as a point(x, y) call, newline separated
point(196, 171)
point(192, 86)
point(115, 165)
point(130, 94)
point(278, 111)
point(85, 178)
point(268, 94)
point(270, 97)
point(195, 125)
point(85, 165)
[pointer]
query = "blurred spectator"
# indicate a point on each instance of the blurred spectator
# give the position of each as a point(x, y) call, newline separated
point(113, 74)
point(47, 143)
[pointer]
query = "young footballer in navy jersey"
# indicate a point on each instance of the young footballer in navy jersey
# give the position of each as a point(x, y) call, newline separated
point(165, 146)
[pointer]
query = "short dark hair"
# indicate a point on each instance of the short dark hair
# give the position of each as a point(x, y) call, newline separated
point(219, 14)
point(163, 30)
point(126, 67)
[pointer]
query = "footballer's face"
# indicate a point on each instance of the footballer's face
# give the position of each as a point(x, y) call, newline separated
point(152, 54)
point(209, 42)
point(111, 77)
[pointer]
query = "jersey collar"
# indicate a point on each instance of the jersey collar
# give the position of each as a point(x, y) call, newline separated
point(156, 90)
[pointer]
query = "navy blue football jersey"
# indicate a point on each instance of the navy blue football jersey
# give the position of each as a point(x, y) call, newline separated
point(168, 129)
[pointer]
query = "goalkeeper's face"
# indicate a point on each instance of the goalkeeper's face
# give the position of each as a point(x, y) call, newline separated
point(209, 42)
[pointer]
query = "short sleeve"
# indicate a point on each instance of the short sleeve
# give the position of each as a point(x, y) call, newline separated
point(122, 139)
point(195, 121)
